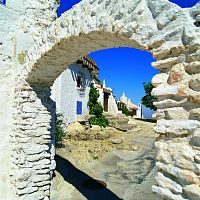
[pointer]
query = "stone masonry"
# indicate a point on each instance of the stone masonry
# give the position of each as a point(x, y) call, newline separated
point(36, 47)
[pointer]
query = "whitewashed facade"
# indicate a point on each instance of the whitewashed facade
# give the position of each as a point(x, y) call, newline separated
point(107, 99)
point(71, 97)
point(135, 109)
point(71, 92)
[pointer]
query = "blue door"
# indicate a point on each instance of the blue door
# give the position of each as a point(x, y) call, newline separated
point(79, 108)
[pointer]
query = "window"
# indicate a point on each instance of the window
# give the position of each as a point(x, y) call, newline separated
point(78, 80)
point(81, 81)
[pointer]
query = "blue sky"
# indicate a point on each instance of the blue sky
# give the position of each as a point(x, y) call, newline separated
point(125, 69)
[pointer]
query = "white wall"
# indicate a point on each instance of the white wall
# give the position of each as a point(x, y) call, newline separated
point(15, 5)
point(66, 94)
point(8, 25)
point(112, 105)
point(138, 113)
point(101, 97)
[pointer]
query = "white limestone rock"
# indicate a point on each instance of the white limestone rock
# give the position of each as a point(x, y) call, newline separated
point(165, 63)
point(193, 67)
point(159, 79)
point(165, 182)
point(176, 113)
point(164, 90)
point(194, 96)
point(43, 183)
point(168, 103)
point(28, 108)
point(32, 148)
point(27, 190)
point(41, 177)
point(177, 74)
point(33, 196)
point(160, 114)
point(22, 184)
point(179, 153)
point(195, 140)
point(53, 165)
point(43, 162)
point(183, 177)
point(43, 171)
point(176, 127)
point(23, 174)
point(37, 157)
point(195, 83)
point(197, 158)
point(195, 114)
point(192, 192)
point(165, 193)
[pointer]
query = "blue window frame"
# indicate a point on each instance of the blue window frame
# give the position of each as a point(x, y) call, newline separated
point(79, 108)
point(3, 2)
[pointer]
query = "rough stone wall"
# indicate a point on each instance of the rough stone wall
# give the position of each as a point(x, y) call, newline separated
point(9, 16)
point(170, 33)
point(19, 159)
point(33, 142)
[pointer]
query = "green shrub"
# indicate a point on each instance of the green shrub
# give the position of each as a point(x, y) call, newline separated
point(96, 109)
point(148, 99)
point(60, 132)
point(126, 111)
point(100, 121)
point(122, 106)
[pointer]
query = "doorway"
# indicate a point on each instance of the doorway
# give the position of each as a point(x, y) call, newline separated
point(105, 101)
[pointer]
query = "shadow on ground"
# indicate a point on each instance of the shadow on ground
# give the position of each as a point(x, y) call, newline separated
point(90, 188)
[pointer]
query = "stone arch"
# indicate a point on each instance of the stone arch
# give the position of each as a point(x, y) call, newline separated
point(158, 26)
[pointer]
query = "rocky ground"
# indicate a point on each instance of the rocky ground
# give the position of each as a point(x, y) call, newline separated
point(117, 165)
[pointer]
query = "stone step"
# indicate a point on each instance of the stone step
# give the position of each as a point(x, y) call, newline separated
point(117, 118)
point(107, 115)
point(118, 121)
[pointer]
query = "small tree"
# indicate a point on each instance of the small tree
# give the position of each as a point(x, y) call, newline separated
point(96, 109)
point(148, 99)
point(60, 132)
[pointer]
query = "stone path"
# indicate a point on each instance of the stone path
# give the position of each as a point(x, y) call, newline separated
point(128, 175)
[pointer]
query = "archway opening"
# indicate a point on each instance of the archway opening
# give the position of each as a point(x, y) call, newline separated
point(95, 156)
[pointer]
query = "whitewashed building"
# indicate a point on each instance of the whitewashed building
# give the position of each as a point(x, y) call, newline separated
point(71, 91)
point(107, 99)
point(136, 110)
